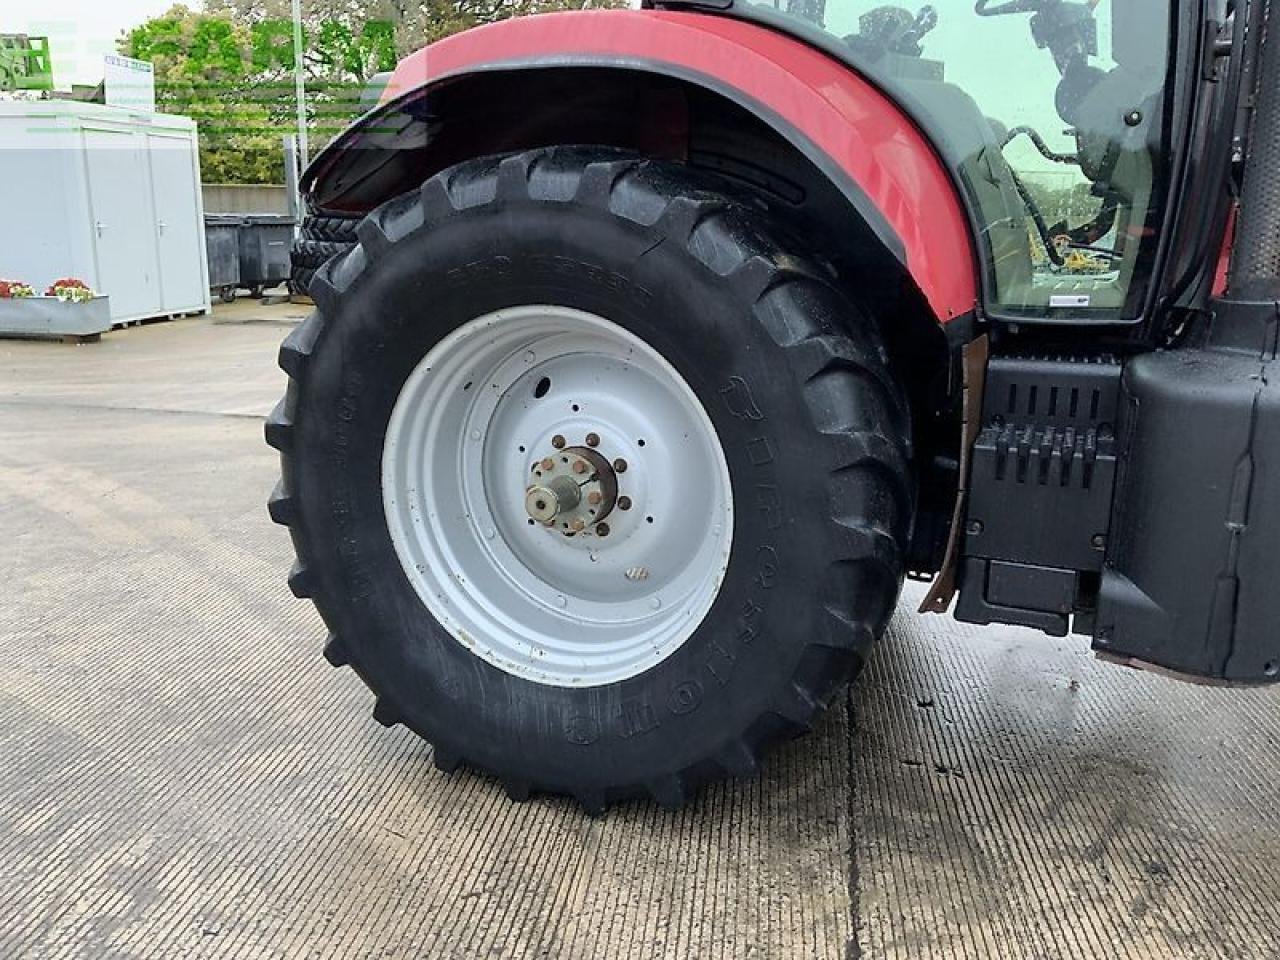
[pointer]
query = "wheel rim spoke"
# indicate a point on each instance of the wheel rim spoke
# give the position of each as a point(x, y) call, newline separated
point(557, 496)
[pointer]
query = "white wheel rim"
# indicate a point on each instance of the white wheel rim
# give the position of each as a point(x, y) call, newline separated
point(470, 427)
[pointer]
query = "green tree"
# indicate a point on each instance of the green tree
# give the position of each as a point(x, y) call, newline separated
point(201, 73)
point(231, 67)
point(414, 23)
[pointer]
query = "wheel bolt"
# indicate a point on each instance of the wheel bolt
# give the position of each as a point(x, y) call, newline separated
point(579, 524)
point(547, 464)
point(558, 442)
point(593, 439)
point(579, 466)
point(594, 497)
point(620, 465)
point(602, 529)
point(624, 503)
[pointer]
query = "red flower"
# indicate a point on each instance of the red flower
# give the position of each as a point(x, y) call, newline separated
point(10, 289)
point(65, 283)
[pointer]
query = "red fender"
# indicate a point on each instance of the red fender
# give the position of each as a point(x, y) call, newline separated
point(905, 189)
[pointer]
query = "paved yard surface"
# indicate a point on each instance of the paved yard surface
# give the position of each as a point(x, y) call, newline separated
point(182, 775)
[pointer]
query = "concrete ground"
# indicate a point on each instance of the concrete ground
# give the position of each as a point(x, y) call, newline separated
point(182, 775)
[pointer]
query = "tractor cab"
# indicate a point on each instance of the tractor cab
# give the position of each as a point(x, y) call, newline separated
point(662, 345)
point(1052, 117)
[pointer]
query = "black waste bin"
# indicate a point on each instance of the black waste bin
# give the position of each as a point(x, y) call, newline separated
point(222, 243)
point(265, 240)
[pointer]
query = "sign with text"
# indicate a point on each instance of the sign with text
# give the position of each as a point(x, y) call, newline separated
point(129, 83)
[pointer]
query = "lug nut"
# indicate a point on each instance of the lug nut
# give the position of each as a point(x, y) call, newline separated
point(593, 439)
point(579, 466)
point(594, 497)
point(620, 465)
point(558, 442)
point(579, 524)
point(547, 463)
point(624, 503)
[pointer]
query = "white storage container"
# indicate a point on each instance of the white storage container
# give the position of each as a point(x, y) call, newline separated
point(108, 196)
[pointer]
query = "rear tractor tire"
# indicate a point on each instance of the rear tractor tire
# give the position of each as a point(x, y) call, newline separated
point(599, 485)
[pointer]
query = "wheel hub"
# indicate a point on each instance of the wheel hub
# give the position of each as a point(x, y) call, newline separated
point(574, 489)
point(557, 496)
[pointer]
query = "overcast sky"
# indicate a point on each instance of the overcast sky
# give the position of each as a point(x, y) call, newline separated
point(79, 31)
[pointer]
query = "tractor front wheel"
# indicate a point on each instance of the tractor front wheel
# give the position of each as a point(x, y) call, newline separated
point(599, 485)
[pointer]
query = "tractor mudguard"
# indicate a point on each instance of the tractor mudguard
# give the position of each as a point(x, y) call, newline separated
point(861, 140)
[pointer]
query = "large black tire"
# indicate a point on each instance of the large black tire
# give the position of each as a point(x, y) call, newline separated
point(790, 371)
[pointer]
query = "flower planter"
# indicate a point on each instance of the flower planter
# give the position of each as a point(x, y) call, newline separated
point(51, 317)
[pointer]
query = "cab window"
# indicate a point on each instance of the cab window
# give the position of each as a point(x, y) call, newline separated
point(1051, 114)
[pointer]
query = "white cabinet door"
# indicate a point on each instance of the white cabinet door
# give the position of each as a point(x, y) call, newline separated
point(178, 225)
point(122, 221)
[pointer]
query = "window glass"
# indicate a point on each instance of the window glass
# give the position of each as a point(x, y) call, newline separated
point(1051, 114)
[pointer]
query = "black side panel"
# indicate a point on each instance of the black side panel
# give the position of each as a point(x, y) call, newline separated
point(1040, 492)
point(1192, 579)
point(1043, 464)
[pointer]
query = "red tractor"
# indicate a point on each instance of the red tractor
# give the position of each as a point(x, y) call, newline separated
point(660, 345)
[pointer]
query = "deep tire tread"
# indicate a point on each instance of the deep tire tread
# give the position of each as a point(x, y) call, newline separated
point(300, 279)
point(322, 291)
point(668, 791)
point(316, 253)
point(278, 429)
point(517, 790)
point(297, 347)
point(373, 239)
point(798, 707)
point(592, 802)
point(335, 651)
point(321, 238)
point(446, 761)
point(300, 581)
point(280, 505)
point(385, 712)
point(738, 759)
point(678, 207)
point(329, 228)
